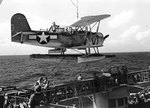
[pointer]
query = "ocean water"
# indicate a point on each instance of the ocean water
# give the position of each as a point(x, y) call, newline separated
point(23, 72)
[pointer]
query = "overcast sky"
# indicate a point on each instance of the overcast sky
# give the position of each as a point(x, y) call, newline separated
point(128, 26)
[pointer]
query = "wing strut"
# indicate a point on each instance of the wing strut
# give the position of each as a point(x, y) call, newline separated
point(98, 27)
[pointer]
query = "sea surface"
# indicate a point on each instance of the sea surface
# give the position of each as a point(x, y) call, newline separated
point(23, 72)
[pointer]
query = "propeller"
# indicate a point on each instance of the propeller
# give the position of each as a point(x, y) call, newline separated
point(100, 37)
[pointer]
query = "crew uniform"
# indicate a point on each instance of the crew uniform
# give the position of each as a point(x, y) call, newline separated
point(43, 82)
point(96, 82)
point(79, 77)
point(37, 98)
point(39, 82)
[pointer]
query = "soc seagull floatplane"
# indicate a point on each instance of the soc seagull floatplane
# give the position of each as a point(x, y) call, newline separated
point(76, 36)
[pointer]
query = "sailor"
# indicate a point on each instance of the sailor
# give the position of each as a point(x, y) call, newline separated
point(79, 77)
point(45, 83)
point(54, 27)
point(125, 72)
point(119, 77)
point(37, 98)
point(39, 82)
point(6, 102)
point(95, 77)
point(105, 79)
point(107, 74)
point(96, 81)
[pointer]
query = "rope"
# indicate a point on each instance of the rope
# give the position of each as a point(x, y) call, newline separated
point(58, 64)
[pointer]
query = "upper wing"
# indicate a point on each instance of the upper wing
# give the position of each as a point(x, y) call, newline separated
point(96, 17)
point(80, 23)
point(87, 20)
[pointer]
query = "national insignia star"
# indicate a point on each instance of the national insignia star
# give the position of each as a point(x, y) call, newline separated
point(43, 37)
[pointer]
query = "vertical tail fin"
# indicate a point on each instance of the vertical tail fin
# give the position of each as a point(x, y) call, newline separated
point(19, 24)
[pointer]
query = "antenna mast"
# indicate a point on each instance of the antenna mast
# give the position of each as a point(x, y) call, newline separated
point(76, 5)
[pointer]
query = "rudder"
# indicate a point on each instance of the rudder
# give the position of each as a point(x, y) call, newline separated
point(19, 23)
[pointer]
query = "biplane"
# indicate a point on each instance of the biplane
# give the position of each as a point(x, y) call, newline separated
point(76, 36)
